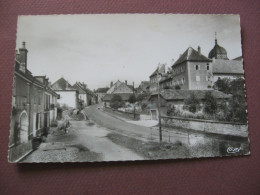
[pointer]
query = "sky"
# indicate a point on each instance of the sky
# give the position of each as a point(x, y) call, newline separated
point(100, 48)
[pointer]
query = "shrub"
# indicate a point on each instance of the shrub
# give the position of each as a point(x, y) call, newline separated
point(210, 105)
point(192, 103)
point(132, 99)
point(116, 102)
point(170, 110)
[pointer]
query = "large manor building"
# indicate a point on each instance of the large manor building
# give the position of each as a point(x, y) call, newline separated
point(194, 71)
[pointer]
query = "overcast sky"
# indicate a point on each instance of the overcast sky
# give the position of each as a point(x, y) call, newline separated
point(97, 49)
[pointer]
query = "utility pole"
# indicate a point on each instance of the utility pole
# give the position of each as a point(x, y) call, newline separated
point(159, 105)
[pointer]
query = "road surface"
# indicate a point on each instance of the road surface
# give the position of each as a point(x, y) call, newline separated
point(192, 137)
point(94, 138)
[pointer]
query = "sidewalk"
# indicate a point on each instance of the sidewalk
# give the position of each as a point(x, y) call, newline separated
point(52, 150)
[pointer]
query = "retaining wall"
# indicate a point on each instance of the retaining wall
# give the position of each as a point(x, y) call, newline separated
point(128, 115)
point(225, 128)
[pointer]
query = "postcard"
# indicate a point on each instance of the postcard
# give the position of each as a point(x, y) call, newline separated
point(127, 87)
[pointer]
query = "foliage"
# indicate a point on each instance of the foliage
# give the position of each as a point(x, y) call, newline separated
point(132, 99)
point(142, 96)
point(236, 110)
point(192, 103)
point(177, 87)
point(222, 85)
point(210, 105)
point(166, 87)
point(116, 102)
point(170, 110)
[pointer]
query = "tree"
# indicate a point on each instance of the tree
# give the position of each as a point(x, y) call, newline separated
point(238, 101)
point(222, 85)
point(142, 96)
point(237, 104)
point(192, 103)
point(210, 105)
point(116, 101)
point(132, 99)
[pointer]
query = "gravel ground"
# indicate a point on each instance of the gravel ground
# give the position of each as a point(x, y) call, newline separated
point(151, 150)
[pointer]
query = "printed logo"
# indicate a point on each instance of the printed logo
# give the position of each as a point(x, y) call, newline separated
point(233, 149)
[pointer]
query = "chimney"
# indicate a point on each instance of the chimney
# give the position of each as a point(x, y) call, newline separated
point(126, 82)
point(111, 84)
point(199, 50)
point(23, 57)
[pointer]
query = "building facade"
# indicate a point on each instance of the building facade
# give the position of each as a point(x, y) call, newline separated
point(69, 96)
point(33, 108)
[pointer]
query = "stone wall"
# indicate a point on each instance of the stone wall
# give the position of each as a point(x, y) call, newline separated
point(128, 115)
point(224, 128)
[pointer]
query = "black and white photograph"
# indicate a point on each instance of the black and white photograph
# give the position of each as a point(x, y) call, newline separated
point(127, 87)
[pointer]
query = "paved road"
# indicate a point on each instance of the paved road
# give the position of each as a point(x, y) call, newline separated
point(189, 137)
point(113, 123)
point(94, 138)
point(136, 131)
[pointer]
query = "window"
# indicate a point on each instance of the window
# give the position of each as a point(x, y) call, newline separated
point(196, 67)
point(197, 78)
point(207, 67)
point(183, 80)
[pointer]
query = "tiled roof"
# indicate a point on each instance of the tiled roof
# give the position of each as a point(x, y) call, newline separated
point(124, 96)
point(102, 90)
point(191, 55)
point(171, 94)
point(218, 52)
point(154, 73)
point(227, 66)
point(62, 84)
point(240, 58)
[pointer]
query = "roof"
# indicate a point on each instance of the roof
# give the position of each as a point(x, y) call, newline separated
point(62, 84)
point(221, 66)
point(181, 94)
point(124, 96)
point(119, 86)
point(143, 85)
point(191, 55)
point(160, 68)
point(240, 58)
point(83, 88)
point(102, 90)
point(218, 52)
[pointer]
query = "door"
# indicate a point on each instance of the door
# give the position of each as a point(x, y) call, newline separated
point(24, 127)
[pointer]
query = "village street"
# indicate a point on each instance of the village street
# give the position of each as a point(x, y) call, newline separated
point(104, 137)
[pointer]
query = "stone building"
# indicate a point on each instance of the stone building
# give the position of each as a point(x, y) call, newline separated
point(172, 97)
point(101, 92)
point(69, 96)
point(155, 77)
point(222, 66)
point(191, 71)
point(85, 94)
point(33, 108)
point(120, 88)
